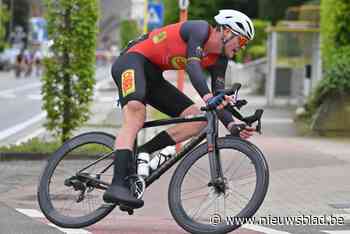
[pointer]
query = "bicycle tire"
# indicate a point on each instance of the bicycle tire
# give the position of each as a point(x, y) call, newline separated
point(174, 193)
point(43, 195)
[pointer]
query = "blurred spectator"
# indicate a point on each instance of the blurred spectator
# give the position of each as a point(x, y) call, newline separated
point(28, 61)
point(19, 65)
point(38, 56)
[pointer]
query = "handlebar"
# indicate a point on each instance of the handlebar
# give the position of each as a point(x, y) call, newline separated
point(249, 120)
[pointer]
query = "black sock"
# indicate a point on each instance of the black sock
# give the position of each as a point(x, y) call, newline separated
point(122, 160)
point(158, 142)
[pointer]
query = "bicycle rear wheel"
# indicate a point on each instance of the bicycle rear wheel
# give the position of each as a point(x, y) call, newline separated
point(200, 207)
point(68, 199)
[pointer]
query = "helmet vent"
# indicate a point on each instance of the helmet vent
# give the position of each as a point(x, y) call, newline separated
point(240, 25)
point(250, 28)
point(228, 17)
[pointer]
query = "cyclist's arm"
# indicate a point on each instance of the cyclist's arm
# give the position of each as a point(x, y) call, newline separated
point(196, 33)
point(217, 72)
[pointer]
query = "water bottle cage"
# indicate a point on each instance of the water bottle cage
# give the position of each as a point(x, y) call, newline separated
point(159, 158)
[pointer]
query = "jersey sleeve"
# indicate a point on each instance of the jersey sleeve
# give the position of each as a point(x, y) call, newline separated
point(217, 72)
point(195, 34)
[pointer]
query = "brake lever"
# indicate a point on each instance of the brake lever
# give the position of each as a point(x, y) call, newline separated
point(240, 103)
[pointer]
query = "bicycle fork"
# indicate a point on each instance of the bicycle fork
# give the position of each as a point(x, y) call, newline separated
point(216, 173)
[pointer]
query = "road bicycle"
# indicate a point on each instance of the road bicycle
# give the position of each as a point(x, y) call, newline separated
point(216, 176)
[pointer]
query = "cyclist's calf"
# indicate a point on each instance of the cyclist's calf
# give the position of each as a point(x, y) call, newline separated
point(134, 114)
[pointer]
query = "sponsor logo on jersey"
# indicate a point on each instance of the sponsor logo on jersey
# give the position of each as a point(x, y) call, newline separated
point(128, 82)
point(178, 62)
point(159, 37)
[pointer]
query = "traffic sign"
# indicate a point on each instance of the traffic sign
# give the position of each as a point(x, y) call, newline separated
point(155, 15)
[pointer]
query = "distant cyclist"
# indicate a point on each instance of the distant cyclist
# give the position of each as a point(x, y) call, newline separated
point(192, 45)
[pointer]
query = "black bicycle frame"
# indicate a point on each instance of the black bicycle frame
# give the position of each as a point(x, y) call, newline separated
point(210, 132)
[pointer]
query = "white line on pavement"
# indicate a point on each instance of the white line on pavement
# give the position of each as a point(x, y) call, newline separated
point(31, 213)
point(37, 214)
point(35, 96)
point(70, 230)
point(19, 127)
point(263, 229)
point(30, 136)
point(337, 232)
point(25, 87)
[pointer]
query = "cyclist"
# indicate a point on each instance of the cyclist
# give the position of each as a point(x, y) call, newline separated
point(192, 45)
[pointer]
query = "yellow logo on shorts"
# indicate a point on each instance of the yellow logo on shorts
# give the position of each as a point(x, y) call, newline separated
point(159, 37)
point(178, 62)
point(128, 82)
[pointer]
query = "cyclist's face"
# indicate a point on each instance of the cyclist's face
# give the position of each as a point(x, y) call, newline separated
point(234, 45)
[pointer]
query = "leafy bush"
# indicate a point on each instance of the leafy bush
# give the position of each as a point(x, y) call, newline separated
point(336, 80)
point(335, 30)
point(4, 18)
point(257, 51)
point(69, 75)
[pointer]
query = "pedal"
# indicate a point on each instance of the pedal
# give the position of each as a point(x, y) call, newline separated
point(126, 209)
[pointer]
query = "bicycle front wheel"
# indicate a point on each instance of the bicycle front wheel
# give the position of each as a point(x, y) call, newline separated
point(199, 206)
point(66, 195)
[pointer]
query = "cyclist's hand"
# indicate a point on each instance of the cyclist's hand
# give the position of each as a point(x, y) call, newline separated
point(241, 130)
point(219, 101)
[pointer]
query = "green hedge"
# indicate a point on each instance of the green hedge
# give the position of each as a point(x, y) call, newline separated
point(335, 27)
point(336, 80)
point(335, 31)
point(4, 18)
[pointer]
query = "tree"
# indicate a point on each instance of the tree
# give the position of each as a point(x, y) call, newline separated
point(69, 77)
point(4, 17)
point(274, 10)
point(206, 10)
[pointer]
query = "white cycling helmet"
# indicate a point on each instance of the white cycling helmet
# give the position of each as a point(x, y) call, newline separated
point(238, 22)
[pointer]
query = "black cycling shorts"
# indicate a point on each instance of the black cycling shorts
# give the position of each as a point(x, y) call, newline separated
point(138, 79)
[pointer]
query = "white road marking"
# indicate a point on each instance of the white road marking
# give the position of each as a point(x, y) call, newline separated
point(263, 229)
point(35, 96)
point(19, 127)
point(30, 136)
point(21, 88)
point(31, 213)
point(337, 232)
point(8, 95)
point(37, 214)
point(70, 230)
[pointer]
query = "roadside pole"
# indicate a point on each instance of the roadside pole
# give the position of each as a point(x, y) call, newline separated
point(145, 18)
point(183, 5)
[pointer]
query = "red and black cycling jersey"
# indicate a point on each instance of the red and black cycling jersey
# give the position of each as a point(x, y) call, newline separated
point(180, 46)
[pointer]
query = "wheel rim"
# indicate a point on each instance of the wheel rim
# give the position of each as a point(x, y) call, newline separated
point(201, 203)
point(80, 201)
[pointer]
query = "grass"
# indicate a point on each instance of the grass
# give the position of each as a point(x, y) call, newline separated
point(37, 145)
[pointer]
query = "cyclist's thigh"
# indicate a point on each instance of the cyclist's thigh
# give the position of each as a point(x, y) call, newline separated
point(165, 97)
point(128, 72)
